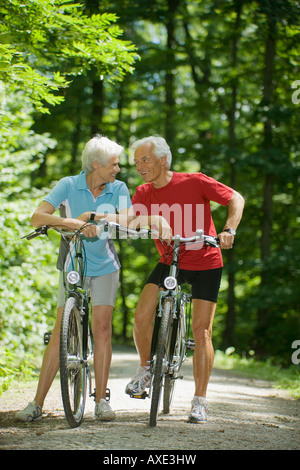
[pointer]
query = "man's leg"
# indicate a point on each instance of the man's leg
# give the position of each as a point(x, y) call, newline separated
point(203, 315)
point(142, 333)
point(143, 322)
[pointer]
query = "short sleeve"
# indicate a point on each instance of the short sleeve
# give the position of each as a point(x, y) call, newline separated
point(213, 190)
point(124, 201)
point(58, 194)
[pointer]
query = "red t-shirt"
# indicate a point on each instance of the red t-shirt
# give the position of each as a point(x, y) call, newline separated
point(185, 203)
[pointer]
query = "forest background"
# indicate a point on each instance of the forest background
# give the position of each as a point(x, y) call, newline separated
point(220, 80)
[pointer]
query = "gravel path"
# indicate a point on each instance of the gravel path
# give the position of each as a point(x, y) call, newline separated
point(244, 414)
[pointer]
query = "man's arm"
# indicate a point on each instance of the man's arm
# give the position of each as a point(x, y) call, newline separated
point(126, 218)
point(235, 212)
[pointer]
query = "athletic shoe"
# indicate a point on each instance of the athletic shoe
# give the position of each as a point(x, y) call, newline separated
point(32, 412)
point(139, 382)
point(199, 410)
point(103, 411)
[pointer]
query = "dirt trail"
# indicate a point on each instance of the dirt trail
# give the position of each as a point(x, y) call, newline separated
point(244, 414)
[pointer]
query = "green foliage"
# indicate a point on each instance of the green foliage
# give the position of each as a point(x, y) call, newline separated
point(216, 55)
point(43, 44)
point(12, 369)
point(283, 378)
point(42, 38)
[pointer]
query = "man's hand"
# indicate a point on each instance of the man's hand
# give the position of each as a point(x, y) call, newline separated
point(163, 228)
point(226, 240)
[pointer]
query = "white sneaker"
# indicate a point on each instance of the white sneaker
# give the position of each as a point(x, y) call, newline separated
point(139, 382)
point(103, 411)
point(32, 412)
point(199, 410)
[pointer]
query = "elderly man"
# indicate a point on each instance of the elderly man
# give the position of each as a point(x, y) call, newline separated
point(180, 198)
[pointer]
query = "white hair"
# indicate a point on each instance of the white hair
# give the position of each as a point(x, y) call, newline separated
point(160, 147)
point(99, 149)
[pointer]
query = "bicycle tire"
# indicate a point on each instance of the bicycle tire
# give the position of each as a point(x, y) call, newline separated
point(160, 357)
point(176, 357)
point(169, 380)
point(73, 370)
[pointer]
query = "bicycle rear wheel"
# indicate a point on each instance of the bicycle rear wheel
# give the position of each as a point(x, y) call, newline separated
point(160, 361)
point(73, 370)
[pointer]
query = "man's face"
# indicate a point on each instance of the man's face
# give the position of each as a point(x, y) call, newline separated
point(109, 171)
point(148, 166)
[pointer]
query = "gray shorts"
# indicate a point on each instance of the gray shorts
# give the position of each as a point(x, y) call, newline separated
point(103, 289)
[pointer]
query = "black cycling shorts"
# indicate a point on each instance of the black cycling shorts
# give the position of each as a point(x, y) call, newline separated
point(205, 284)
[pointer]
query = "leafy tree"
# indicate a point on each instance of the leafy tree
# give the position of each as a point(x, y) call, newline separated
point(44, 44)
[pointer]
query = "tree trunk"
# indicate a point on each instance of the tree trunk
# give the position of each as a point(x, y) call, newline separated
point(228, 334)
point(267, 208)
point(97, 108)
point(170, 127)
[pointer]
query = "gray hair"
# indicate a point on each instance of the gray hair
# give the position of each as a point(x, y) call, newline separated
point(99, 149)
point(160, 147)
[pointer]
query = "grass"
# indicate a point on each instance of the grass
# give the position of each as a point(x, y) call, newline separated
point(282, 378)
point(14, 370)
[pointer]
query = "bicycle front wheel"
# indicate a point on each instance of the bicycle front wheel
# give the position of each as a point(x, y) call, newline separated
point(160, 361)
point(73, 370)
point(176, 357)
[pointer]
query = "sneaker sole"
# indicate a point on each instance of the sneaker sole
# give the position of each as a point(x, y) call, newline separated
point(196, 421)
point(29, 419)
point(105, 418)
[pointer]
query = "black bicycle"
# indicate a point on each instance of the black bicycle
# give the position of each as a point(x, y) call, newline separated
point(76, 344)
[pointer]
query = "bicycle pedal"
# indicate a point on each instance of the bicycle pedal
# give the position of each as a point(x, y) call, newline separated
point(47, 337)
point(190, 345)
point(140, 397)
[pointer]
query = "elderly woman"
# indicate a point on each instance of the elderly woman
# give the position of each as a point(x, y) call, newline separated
point(79, 198)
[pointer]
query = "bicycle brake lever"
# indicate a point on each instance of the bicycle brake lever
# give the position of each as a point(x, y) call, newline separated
point(39, 231)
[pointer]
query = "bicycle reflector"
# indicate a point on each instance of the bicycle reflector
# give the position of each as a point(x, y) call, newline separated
point(73, 277)
point(170, 282)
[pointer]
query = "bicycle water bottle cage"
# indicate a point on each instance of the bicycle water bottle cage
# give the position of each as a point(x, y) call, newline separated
point(190, 345)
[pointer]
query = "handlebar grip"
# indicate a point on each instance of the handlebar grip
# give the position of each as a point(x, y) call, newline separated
point(33, 235)
point(39, 231)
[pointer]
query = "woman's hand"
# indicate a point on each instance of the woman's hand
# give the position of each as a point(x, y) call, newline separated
point(85, 216)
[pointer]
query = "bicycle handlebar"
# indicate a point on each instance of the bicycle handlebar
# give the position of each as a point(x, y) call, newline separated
point(44, 231)
point(198, 237)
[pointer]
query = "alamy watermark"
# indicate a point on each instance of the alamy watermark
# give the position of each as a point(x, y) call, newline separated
point(185, 219)
point(296, 354)
point(296, 94)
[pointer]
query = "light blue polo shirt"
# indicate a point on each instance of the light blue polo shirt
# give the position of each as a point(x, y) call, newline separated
point(72, 197)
